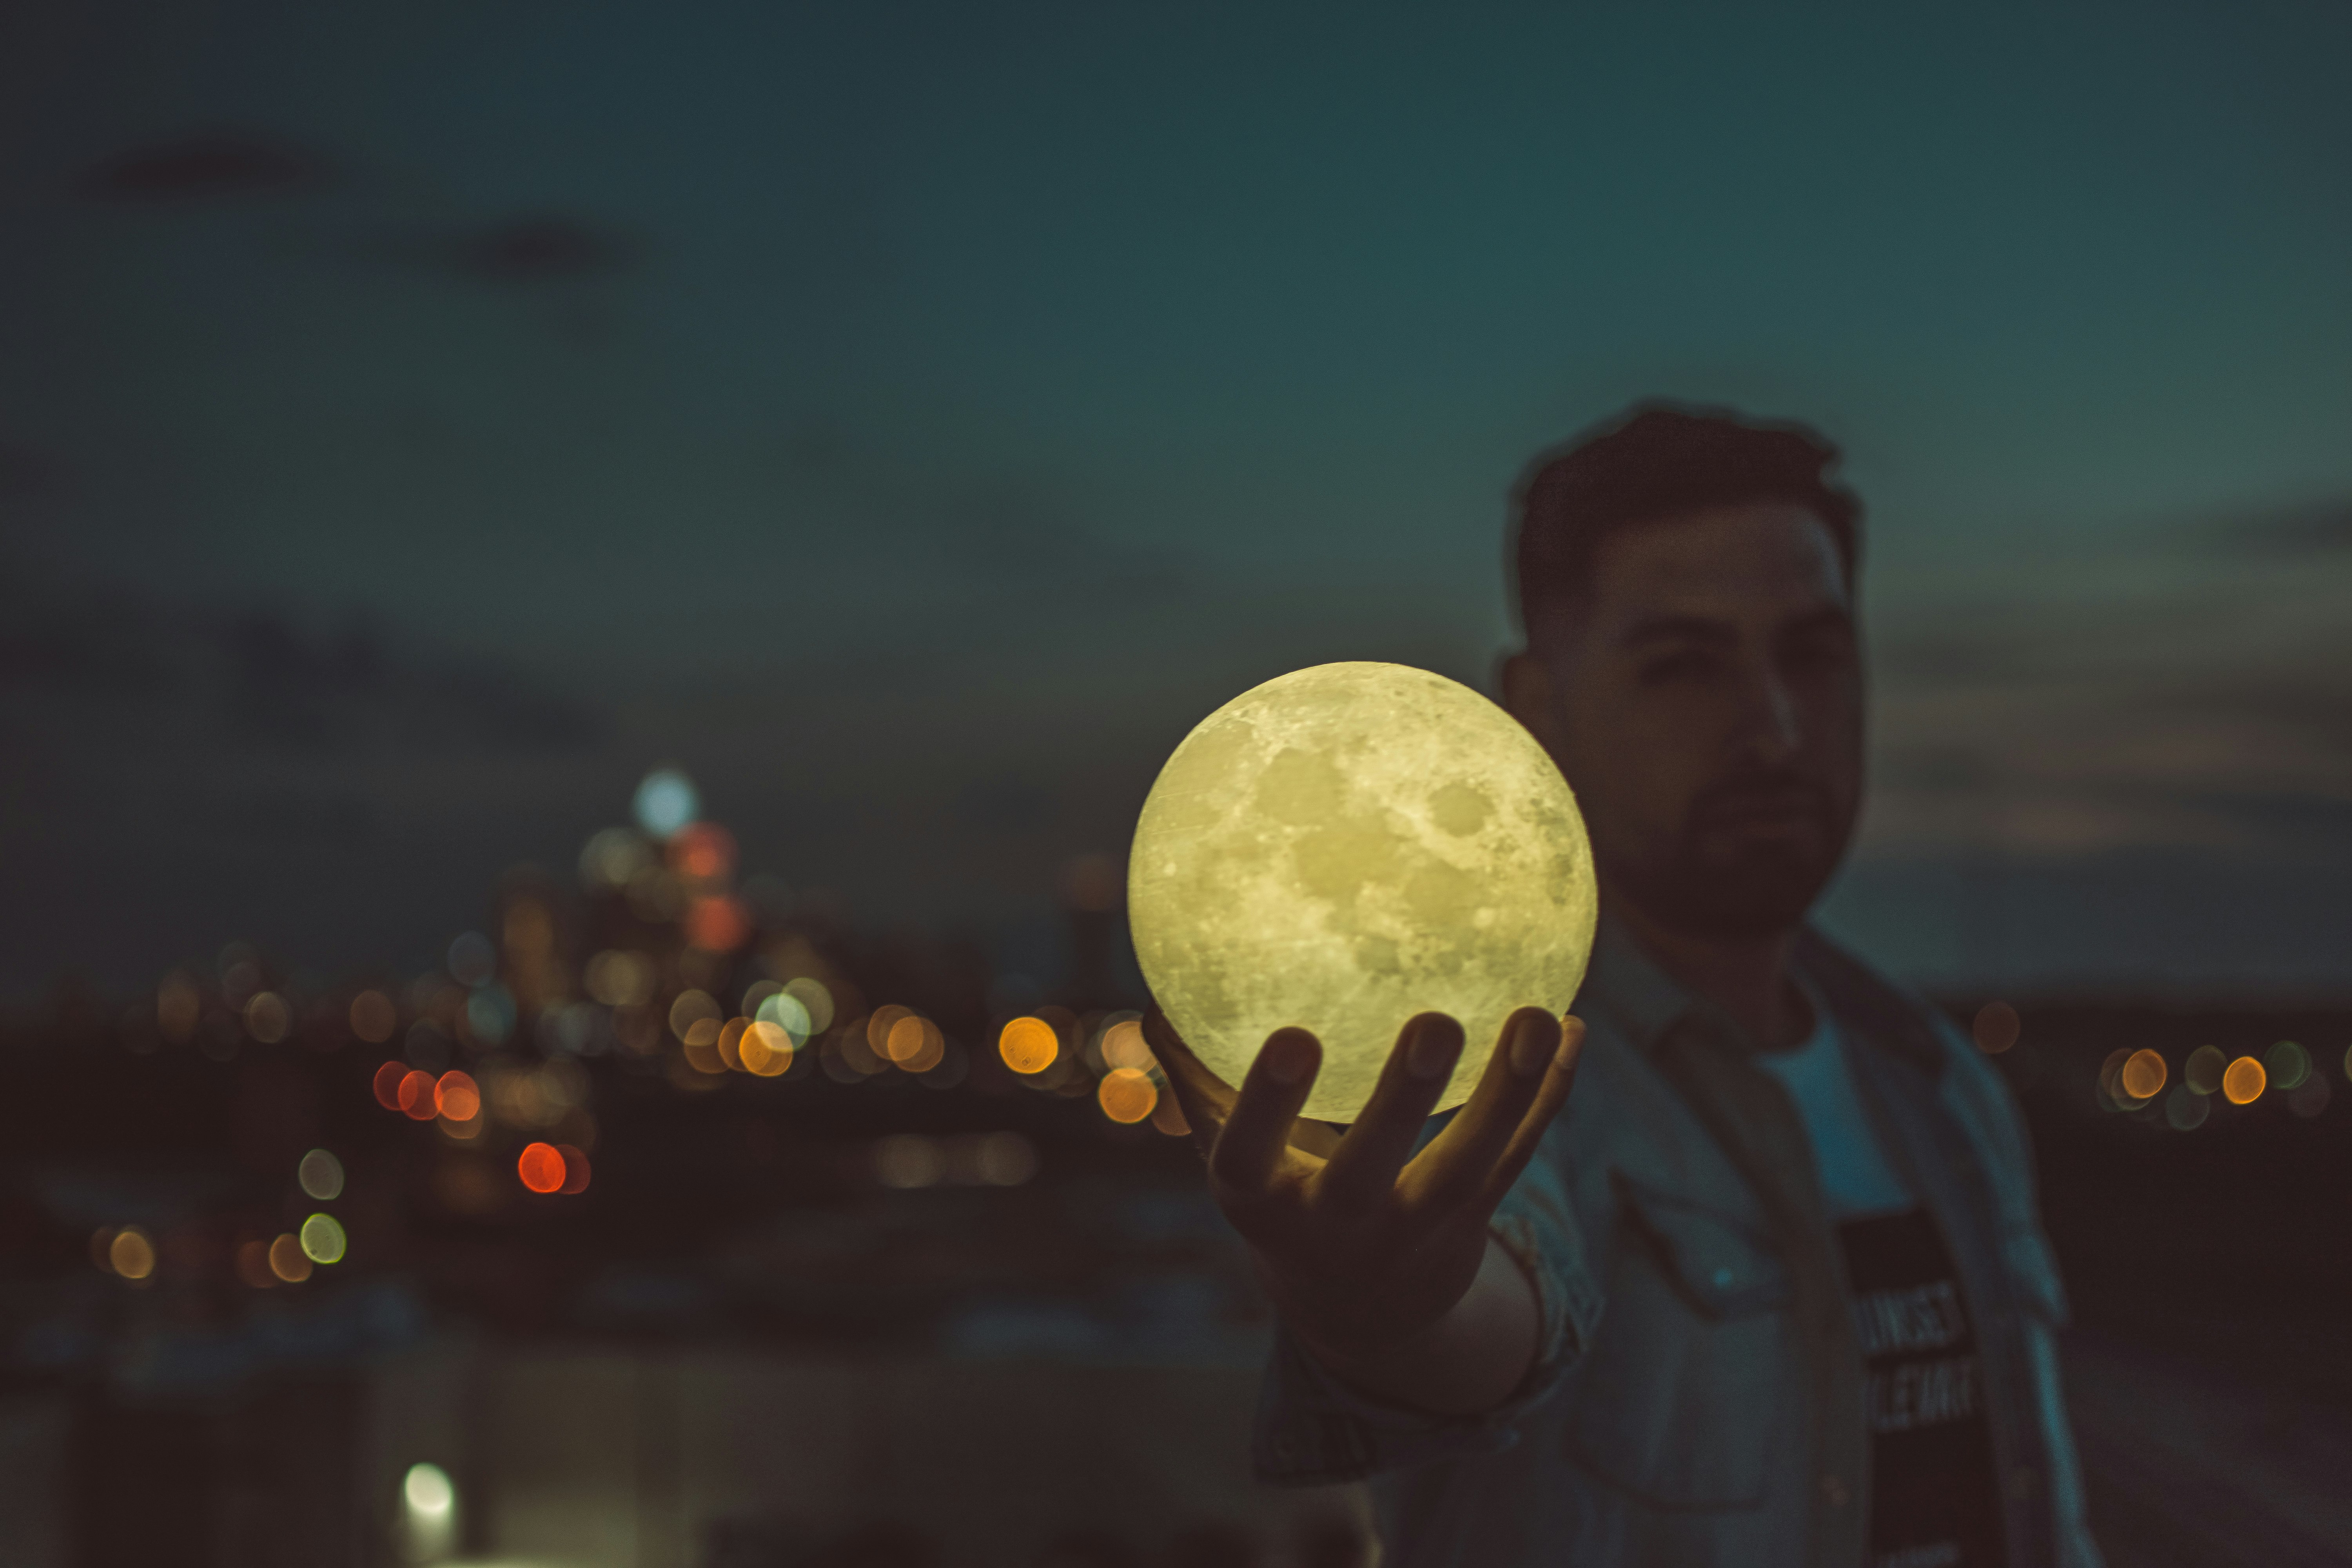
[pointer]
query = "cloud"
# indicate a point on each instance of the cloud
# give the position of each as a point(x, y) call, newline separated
point(208, 165)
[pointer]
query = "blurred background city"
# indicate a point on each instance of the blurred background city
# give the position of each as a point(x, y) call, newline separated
point(588, 596)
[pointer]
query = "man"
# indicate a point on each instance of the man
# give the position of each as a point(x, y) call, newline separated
point(1769, 1288)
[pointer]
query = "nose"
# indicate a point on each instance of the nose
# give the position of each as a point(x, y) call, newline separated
point(1770, 732)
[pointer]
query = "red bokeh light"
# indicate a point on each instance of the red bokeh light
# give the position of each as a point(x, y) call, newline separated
point(716, 925)
point(541, 1168)
point(457, 1096)
point(703, 851)
point(416, 1096)
point(575, 1168)
point(387, 1084)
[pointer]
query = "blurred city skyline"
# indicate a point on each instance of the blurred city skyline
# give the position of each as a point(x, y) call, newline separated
point(417, 423)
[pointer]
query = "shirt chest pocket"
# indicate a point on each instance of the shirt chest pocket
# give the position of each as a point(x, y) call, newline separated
point(1682, 1398)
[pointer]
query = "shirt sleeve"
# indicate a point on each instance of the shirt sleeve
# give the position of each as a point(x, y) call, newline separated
point(1313, 1429)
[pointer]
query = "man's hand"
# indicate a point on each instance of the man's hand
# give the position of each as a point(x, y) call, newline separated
point(1380, 1265)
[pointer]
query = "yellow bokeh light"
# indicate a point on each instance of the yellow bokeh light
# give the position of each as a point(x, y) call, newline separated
point(1348, 846)
point(2244, 1081)
point(1123, 1047)
point(267, 1018)
point(2143, 1075)
point(1126, 1095)
point(288, 1262)
point(730, 1043)
point(766, 1048)
point(322, 1239)
point(1028, 1044)
point(374, 1018)
point(131, 1254)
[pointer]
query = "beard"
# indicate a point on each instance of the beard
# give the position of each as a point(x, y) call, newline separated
point(1749, 859)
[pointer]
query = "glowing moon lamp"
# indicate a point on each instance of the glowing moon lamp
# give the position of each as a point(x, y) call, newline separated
point(1345, 847)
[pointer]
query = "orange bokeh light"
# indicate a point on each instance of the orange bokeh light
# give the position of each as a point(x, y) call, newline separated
point(1028, 1044)
point(387, 1084)
point(288, 1261)
point(766, 1048)
point(2143, 1075)
point(416, 1096)
point(2243, 1081)
point(730, 1043)
point(1126, 1094)
point(457, 1096)
point(575, 1168)
point(541, 1168)
point(1168, 1117)
point(253, 1265)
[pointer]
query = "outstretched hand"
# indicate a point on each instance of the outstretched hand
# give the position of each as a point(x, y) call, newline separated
point(1363, 1244)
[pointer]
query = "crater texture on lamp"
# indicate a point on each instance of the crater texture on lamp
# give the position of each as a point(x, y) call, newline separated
point(1345, 847)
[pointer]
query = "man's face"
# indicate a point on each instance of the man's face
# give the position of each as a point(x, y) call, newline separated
point(1705, 702)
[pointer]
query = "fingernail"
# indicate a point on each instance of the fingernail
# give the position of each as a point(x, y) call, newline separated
point(1431, 1054)
point(1571, 1041)
point(1288, 1058)
point(1532, 1046)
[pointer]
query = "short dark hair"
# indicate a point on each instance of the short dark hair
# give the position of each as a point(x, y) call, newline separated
point(1657, 461)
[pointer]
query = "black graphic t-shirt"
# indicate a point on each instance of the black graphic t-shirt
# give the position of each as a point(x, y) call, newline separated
point(1933, 1503)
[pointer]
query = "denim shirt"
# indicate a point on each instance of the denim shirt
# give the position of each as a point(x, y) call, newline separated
point(1697, 1395)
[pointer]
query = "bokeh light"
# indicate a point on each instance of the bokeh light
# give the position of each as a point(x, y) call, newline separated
point(321, 1176)
point(815, 1001)
point(322, 1238)
point(374, 1018)
point(179, 1004)
point(785, 1010)
point(666, 802)
point(766, 1048)
point(1995, 1028)
point(718, 923)
point(1126, 1095)
point(131, 1254)
point(457, 1096)
point(267, 1018)
point(1005, 1159)
point(2204, 1070)
point(730, 1044)
point(620, 979)
point(1028, 1044)
point(905, 1159)
point(2186, 1108)
point(416, 1094)
point(2143, 1075)
point(2287, 1065)
point(541, 1168)
point(388, 1079)
point(914, 1042)
point(693, 1018)
point(428, 1503)
point(1123, 1047)
point(253, 1265)
point(575, 1169)
point(612, 856)
point(2244, 1080)
point(472, 960)
point(288, 1262)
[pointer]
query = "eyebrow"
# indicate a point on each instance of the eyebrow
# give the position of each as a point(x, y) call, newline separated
point(1677, 628)
point(1715, 633)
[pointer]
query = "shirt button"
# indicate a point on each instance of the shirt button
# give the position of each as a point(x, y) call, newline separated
point(1834, 1490)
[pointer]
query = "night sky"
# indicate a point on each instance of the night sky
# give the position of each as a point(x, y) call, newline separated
point(418, 420)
